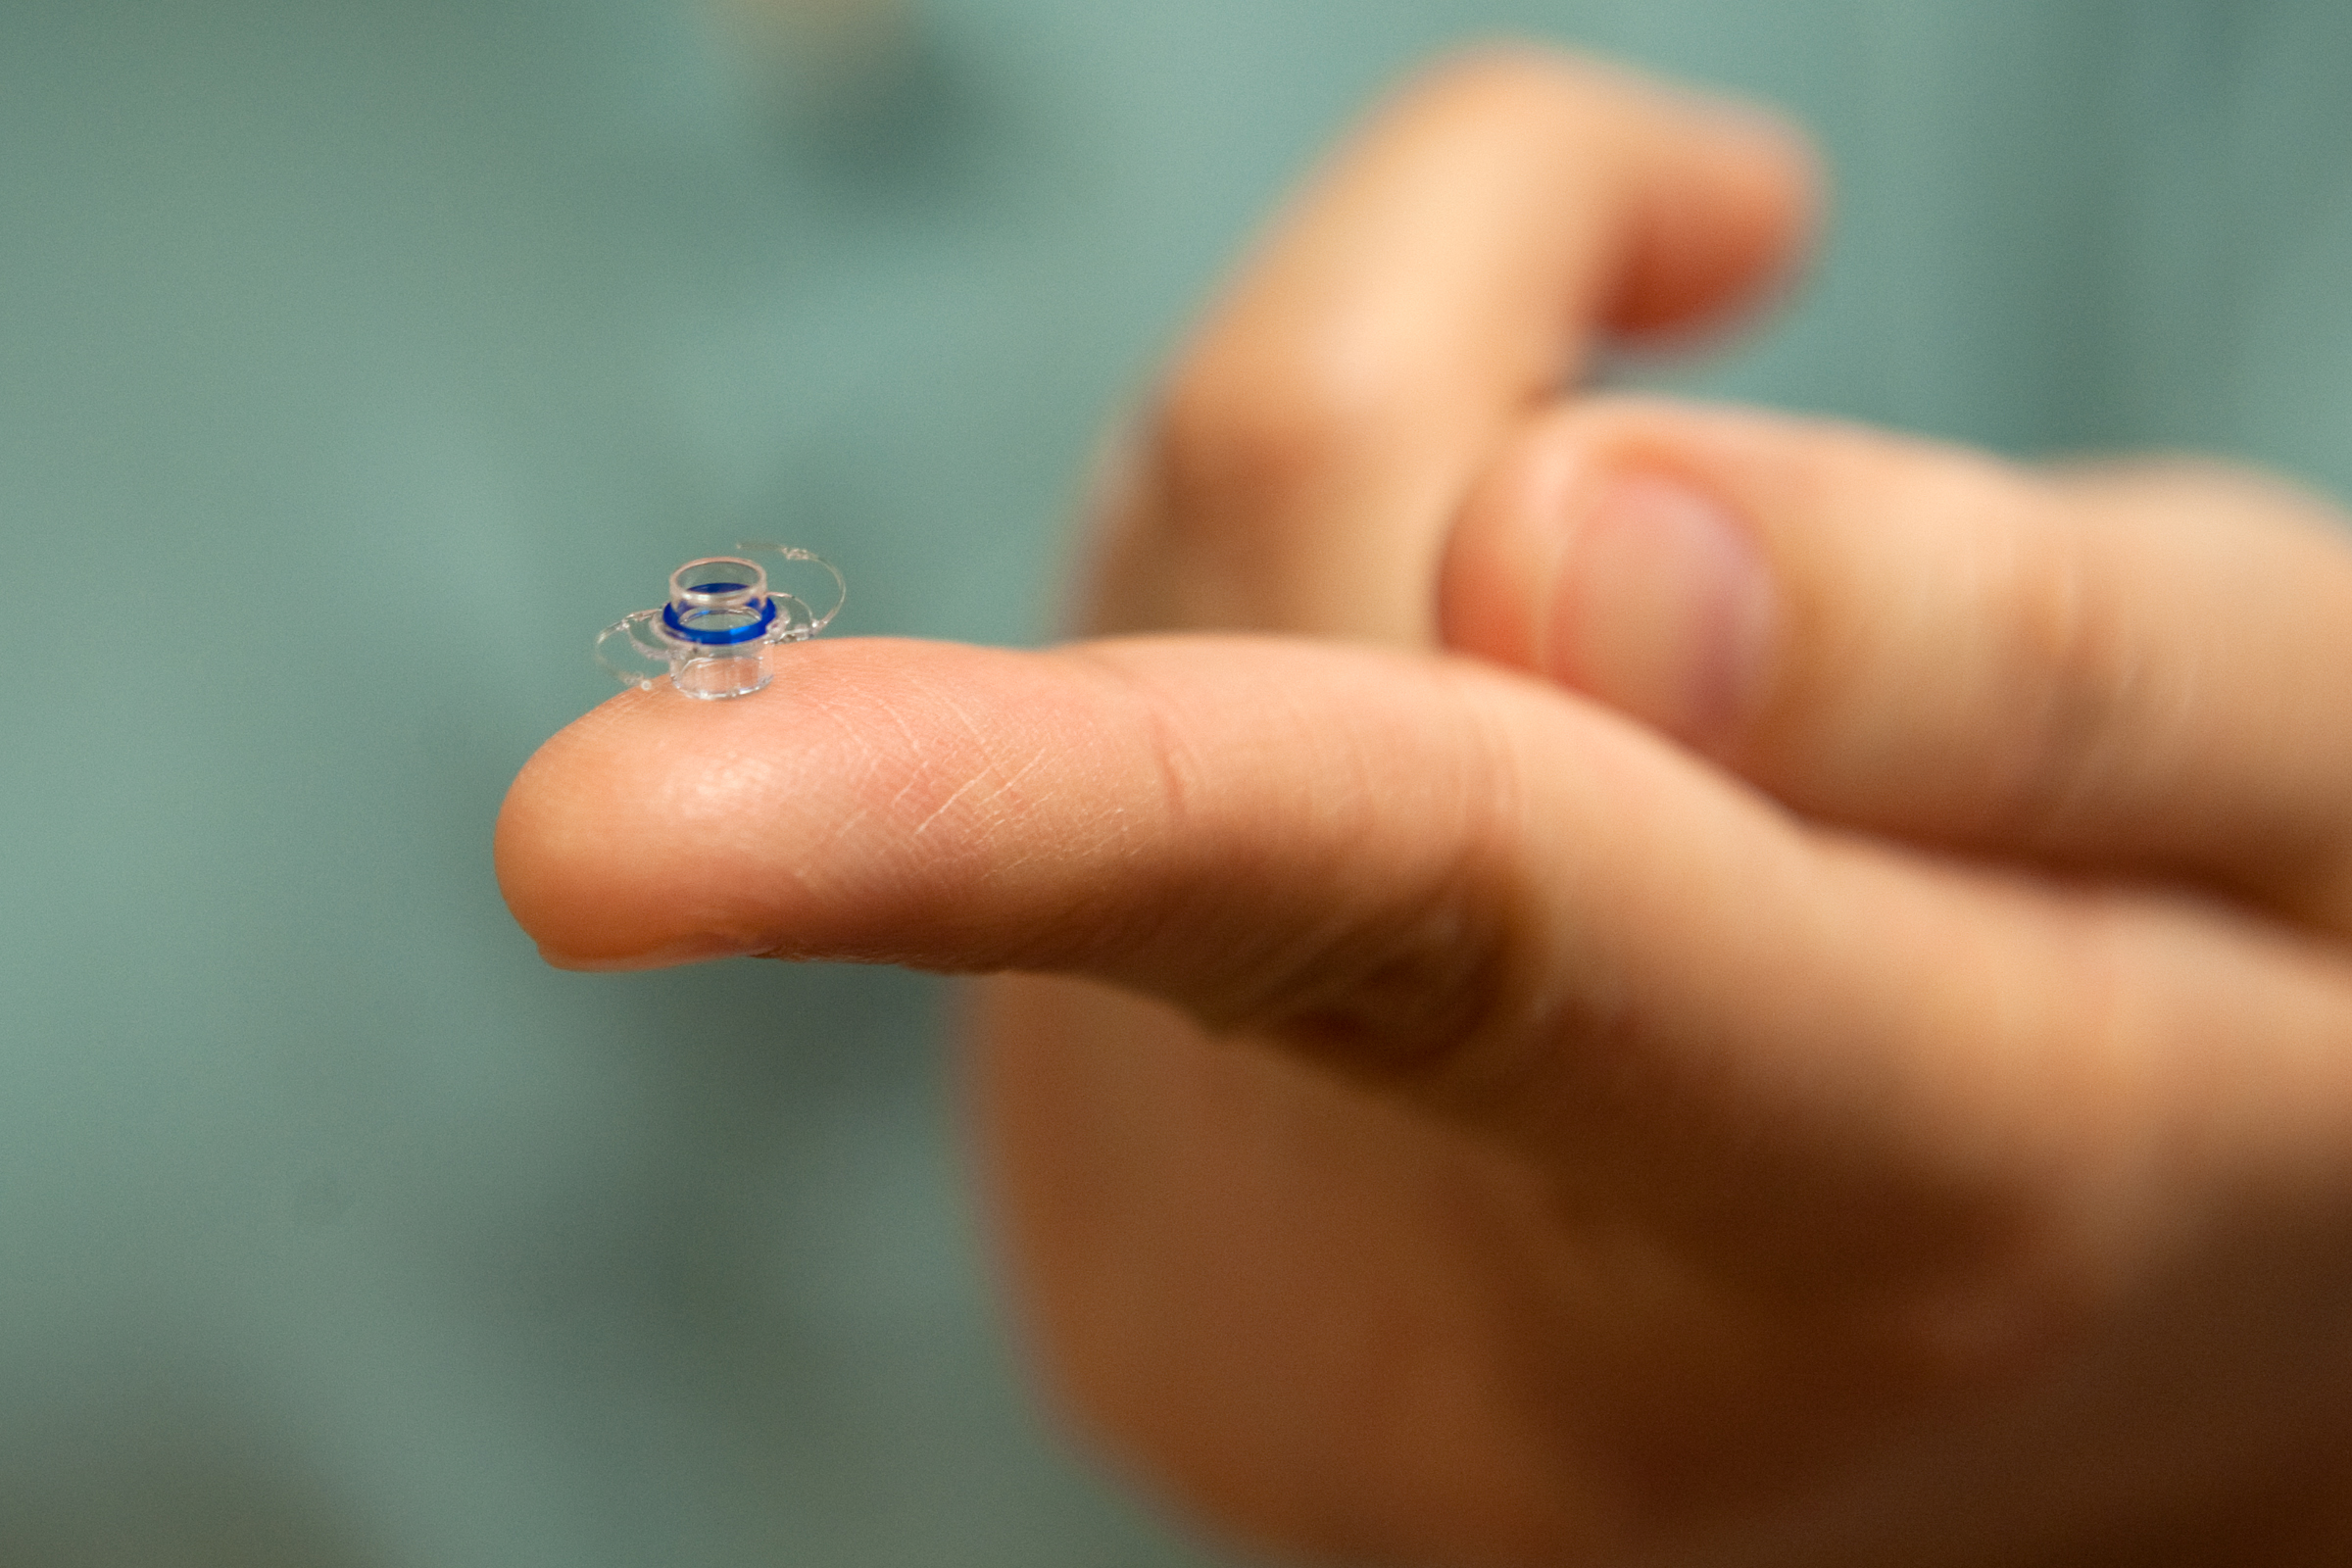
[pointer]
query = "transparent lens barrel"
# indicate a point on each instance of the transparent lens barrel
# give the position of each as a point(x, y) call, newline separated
point(721, 611)
point(737, 672)
point(719, 585)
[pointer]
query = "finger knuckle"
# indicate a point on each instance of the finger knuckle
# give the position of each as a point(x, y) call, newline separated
point(1265, 477)
point(1234, 446)
point(2074, 655)
point(1426, 989)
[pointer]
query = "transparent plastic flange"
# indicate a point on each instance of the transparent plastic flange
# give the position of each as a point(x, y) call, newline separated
point(724, 614)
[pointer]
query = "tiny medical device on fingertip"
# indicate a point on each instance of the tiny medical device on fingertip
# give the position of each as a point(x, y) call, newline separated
point(711, 639)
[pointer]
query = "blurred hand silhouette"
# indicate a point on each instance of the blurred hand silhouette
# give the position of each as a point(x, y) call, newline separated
point(1608, 981)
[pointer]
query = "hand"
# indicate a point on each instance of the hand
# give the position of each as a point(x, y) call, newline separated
point(1831, 1042)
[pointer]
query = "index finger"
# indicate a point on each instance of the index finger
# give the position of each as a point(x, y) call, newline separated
point(1809, 1055)
point(1446, 275)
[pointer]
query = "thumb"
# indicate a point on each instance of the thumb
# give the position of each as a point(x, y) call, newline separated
point(2138, 671)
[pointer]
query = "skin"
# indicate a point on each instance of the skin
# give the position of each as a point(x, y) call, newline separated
point(1599, 981)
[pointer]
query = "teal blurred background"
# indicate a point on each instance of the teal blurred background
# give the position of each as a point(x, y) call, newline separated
point(359, 361)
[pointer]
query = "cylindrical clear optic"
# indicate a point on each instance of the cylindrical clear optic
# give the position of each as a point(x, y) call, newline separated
point(720, 604)
point(718, 582)
point(728, 673)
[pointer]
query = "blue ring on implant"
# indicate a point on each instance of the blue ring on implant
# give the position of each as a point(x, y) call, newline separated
point(720, 639)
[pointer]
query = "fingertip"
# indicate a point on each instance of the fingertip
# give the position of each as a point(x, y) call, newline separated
point(628, 840)
point(1726, 224)
point(871, 804)
point(1722, 196)
point(558, 833)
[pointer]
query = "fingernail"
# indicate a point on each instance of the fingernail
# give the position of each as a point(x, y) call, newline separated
point(1663, 607)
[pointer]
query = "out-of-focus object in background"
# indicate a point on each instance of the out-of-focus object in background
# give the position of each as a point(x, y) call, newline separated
point(840, 38)
point(863, 94)
point(841, 73)
point(723, 614)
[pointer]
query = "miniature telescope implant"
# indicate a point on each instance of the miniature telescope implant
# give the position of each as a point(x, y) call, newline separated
point(711, 639)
